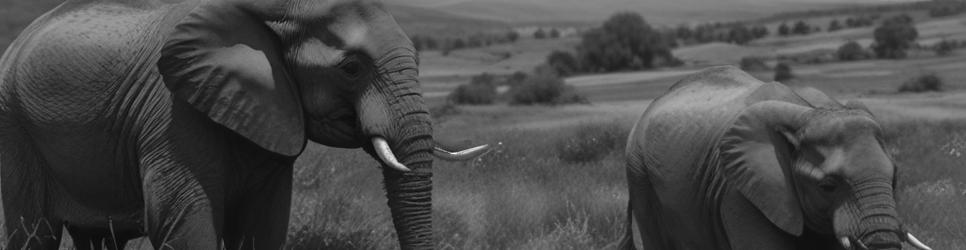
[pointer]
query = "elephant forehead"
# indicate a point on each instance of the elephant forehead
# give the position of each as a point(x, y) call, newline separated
point(837, 129)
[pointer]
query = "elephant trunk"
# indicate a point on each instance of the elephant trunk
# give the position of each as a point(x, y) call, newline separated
point(878, 225)
point(410, 193)
point(393, 112)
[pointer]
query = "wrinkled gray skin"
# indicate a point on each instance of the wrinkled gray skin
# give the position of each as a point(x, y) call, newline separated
point(724, 161)
point(181, 119)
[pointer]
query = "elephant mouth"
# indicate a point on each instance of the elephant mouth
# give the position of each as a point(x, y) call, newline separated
point(882, 240)
point(338, 129)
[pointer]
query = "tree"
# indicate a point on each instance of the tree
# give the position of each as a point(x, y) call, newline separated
point(512, 36)
point(944, 47)
point(850, 51)
point(739, 34)
point(894, 36)
point(540, 34)
point(564, 63)
point(801, 28)
point(683, 32)
point(554, 33)
point(624, 42)
point(834, 25)
point(783, 29)
point(783, 72)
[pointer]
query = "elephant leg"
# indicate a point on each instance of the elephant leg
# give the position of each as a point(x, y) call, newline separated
point(25, 189)
point(179, 214)
point(260, 221)
point(95, 239)
point(646, 210)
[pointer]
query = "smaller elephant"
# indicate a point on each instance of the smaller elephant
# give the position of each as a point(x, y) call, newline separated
point(725, 161)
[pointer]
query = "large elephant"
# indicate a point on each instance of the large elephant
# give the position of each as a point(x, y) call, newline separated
point(181, 119)
point(725, 161)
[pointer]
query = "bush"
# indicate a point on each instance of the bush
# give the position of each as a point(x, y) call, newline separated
point(945, 47)
point(544, 89)
point(480, 90)
point(922, 83)
point(564, 63)
point(851, 51)
point(894, 36)
point(783, 72)
point(753, 64)
point(624, 42)
point(591, 142)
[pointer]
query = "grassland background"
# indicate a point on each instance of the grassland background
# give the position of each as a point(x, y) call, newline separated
point(523, 196)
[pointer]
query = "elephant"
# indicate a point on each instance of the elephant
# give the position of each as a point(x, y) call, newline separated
point(725, 161)
point(180, 120)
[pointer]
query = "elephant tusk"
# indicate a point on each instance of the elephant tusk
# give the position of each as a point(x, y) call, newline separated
point(846, 242)
point(915, 242)
point(463, 155)
point(386, 155)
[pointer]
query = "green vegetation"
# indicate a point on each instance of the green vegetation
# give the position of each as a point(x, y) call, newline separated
point(894, 37)
point(544, 89)
point(563, 63)
point(624, 42)
point(851, 51)
point(783, 72)
point(924, 82)
point(591, 142)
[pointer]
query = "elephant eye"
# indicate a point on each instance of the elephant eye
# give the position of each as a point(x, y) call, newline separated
point(828, 185)
point(352, 68)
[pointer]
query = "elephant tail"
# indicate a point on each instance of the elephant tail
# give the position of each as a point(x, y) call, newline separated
point(627, 243)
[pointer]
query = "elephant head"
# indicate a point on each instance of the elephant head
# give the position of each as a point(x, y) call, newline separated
point(819, 169)
point(338, 72)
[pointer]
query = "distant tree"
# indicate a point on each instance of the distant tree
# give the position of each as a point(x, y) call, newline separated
point(759, 31)
point(512, 36)
point(739, 34)
point(783, 30)
point(944, 47)
point(458, 43)
point(430, 43)
point(851, 23)
point(540, 34)
point(834, 25)
point(783, 72)
point(564, 63)
point(554, 33)
point(894, 37)
point(801, 28)
point(683, 32)
point(851, 51)
point(624, 42)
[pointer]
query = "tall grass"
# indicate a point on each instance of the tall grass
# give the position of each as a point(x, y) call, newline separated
point(523, 196)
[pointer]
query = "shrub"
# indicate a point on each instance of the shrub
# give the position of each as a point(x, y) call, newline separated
point(624, 42)
point(922, 83)
point(591, 142)
point(944, 47)
point(753, 64)
point(894, 36)
point(851, 51)
point(439, 112)
point(564, 63)
point(544, 89)
point(480, 90)
point(783, 72)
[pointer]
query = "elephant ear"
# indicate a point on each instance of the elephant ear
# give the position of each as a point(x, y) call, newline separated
point(755, 155)
point(225, 62)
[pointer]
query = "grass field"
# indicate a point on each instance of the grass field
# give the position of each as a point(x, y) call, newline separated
point(529, 193)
